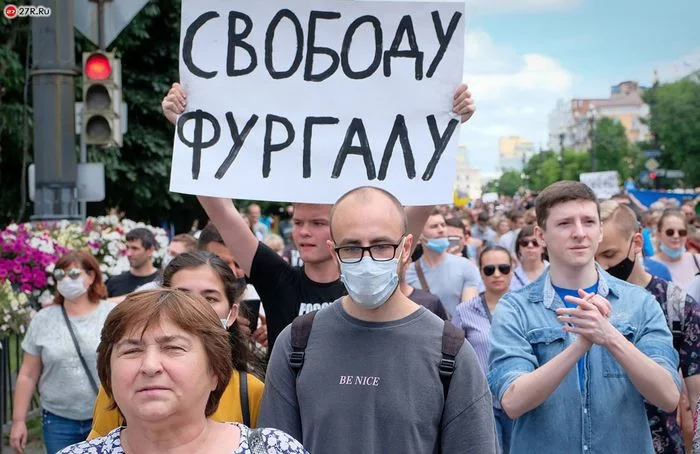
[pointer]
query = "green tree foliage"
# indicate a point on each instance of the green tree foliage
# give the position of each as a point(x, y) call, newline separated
point(509, 183)
point(138, 173)
point(547, 167)
point(542, 170)
point(13, 140)
point(490, 186)
point(613, 151)
point(675, 121)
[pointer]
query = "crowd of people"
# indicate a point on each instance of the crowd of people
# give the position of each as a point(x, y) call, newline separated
point(549, 323)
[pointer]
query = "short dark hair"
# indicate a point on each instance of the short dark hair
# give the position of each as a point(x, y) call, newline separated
point(456, 222)
point(527, 230)
point(233, 288)
point(483, 217)
point(190, 312)
point(561, 192)
point(148, 240)
point(515, 214)
point(495, 248)
point(209, 234)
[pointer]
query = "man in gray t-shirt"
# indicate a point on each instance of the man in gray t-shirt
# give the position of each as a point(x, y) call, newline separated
point(370, 381)
point(451, 278)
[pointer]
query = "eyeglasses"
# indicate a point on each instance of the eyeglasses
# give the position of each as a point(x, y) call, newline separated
point(525, 243)
point(503, 268)
point(681, 232)
point(378, 252)
point(73, 273)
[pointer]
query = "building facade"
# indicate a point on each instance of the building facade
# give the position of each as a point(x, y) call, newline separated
point(574, 125)
point(468, 180)
point(514, 152)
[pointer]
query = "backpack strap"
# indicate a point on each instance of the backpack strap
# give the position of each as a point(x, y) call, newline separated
point(243, 391)
point(421, 276)
point(301, 330)
point(452, 340)
point(697, 265)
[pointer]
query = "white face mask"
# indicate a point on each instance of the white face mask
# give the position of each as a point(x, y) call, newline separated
point(370, 283)
point(71, 289)
point(224, 321)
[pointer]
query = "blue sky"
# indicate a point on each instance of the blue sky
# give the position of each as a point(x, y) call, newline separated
point(523, 55)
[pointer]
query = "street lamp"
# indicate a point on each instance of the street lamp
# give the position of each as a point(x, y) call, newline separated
point(560, 158)
point(592, 116)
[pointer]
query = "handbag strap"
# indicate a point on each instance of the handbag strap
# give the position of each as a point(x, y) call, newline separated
point(421, 276)
point(77, 349)
point(243, 390)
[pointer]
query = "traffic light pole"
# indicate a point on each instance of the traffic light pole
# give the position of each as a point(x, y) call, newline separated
point(82, 210)
point(100, 24)
point(53, 71)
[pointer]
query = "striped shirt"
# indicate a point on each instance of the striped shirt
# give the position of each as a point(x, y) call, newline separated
point(471, 317)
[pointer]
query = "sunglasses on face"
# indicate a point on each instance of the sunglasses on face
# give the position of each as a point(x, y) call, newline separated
point(681, 232)
point(73, 273)
point(503, 268)
point(525, 243)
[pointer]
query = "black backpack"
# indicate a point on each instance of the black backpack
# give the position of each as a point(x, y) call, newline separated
point(452, 340)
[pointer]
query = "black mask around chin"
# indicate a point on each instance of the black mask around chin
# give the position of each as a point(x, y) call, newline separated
point(623, 269)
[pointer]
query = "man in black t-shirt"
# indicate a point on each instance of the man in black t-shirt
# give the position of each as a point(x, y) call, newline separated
point(140, 246)
point(285, 291)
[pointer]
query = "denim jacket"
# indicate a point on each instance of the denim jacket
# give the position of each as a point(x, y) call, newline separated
point(608, 416)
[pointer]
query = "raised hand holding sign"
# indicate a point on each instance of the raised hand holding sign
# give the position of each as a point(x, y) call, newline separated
point(376, 76)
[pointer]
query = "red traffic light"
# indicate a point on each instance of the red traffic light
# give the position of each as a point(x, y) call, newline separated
point(652, 175)
point(97, 67)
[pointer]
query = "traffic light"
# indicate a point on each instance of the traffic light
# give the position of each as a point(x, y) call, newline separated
point(102, 98)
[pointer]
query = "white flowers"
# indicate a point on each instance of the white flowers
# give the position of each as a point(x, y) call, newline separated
point(15, 310)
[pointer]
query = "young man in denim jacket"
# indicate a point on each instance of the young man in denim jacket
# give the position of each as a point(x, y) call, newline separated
point(575, 353)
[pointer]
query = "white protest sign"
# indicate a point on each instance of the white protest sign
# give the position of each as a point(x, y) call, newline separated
point(302, 101)
point(489, 197)
point(604, 184)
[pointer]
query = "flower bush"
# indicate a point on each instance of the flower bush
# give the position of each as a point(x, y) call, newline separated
point(26, 259)
point(15, 310)
point(28, 253)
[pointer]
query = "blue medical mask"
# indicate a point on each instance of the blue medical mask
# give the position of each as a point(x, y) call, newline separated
point(370, 283)
point(438, 245)
point(674, 253)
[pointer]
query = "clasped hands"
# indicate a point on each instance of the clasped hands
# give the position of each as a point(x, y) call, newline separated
point(589, 320)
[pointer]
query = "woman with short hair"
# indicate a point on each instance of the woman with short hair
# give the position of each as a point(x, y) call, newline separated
point(165, 360)
point(530, 252)
point(207, 275)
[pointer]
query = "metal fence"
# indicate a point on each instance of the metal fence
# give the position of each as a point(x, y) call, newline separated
point(10, 362)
